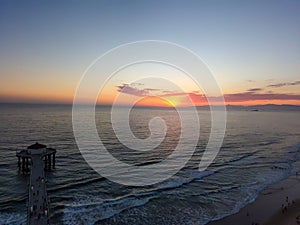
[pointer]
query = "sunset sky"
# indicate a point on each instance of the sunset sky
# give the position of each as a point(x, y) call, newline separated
point(252, 48)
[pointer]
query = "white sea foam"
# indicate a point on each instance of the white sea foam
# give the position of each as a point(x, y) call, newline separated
point(12, 218)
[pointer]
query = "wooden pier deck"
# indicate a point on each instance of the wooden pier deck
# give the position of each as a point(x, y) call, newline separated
point(38, 205)
point(39, 157)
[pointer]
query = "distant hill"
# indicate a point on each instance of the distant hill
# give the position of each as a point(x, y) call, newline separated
point(255, 108)
point(268, 107)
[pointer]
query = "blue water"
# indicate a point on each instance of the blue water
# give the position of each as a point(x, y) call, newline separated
point(259, 148)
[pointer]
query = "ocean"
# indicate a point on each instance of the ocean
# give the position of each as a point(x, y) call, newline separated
point(259, 149)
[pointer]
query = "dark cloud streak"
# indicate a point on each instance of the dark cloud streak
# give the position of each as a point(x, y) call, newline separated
point(255, 89)
point(284, 84)
point(127, 89)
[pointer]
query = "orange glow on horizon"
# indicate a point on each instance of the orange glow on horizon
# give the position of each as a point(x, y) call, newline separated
point(150, 101)
point(108, 97)
point(153, 101)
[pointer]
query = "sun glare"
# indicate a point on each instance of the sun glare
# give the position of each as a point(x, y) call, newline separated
point(173, 101)
point(155, 101)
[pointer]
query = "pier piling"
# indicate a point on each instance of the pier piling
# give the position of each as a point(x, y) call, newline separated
point(24, 158)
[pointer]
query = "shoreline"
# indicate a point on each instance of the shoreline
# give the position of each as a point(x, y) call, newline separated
point(279, 204)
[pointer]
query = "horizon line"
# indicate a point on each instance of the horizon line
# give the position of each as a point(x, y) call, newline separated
point(143, 106)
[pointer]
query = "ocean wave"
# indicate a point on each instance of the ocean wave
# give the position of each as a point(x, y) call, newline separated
point(244, 156)
point(90, 209)
point(12, 218)
point(177, 181)
point(248, 192)
point(76, 184)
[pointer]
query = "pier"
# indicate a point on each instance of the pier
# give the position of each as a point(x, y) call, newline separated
point(25, 157)
point(39, 157)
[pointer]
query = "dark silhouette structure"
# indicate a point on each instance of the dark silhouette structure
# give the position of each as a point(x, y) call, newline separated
point(25, 156)
point(40, 159)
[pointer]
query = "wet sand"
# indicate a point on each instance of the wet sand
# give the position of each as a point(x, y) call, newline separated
point(277, 205)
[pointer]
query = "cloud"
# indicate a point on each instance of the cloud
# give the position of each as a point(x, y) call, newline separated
point(127, 89)
point(136, 84)
point(174, 94)
point(151, 89)
point(284, 84)
point(255, 89)
point(131, 90)
point(249, 95)
point(243, 97)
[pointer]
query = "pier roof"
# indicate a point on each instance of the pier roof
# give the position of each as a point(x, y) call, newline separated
point(36, 146)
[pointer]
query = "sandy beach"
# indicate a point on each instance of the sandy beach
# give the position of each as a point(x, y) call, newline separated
point(277, 205)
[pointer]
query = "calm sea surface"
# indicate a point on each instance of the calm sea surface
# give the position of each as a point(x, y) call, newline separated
point(259, 148)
